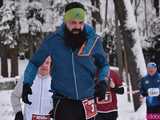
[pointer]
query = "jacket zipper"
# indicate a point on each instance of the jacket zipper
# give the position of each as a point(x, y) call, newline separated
point(41, 96)
point(74, 75)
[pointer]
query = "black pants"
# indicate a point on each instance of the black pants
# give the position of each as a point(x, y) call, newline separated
point(67, 109)
point(153, 109)
point(107, 116)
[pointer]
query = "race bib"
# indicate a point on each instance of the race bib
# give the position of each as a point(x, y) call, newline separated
point(40, 117)
point(153, 92)
point(153, 116)
point(108, 99)
point(89, 108)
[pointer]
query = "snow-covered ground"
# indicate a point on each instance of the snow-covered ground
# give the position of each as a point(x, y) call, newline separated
point(126, 111)
point(6, 112)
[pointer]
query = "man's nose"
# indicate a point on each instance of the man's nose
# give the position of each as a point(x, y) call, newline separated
point(77, 26)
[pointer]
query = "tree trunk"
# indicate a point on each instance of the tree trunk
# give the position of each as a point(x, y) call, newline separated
point(31, 46)
point(156, 5)
point(96, 16)
point(121, 56)
point(136, 4)
point(134, 67)
point(4, 62)
point(106, 10)
point(135, 10)
point(146, 22)
point(1, 3)
point(14, 62)
point(118, 42)
point(127, 76)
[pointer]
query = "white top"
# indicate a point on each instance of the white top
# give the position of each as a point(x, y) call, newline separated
point(41, 98)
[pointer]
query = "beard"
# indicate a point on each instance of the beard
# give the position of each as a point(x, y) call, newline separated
point(74, 39)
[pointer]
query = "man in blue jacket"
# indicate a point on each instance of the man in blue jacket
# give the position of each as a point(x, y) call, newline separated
point(150, 88)
point(77, 52)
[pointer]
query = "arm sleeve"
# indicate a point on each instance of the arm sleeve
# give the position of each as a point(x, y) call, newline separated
point(16, 96)
point(37, 59)
point(143, 92)
point(119, 89)
point(100, 60)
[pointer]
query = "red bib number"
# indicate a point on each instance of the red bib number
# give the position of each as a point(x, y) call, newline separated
point(40, 117)
point(89, 108)
point(108, 99)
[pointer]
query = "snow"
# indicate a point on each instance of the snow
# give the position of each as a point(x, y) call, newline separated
point(131, 22)
point(6, 112)
point(8, 15)
point(126, 110)
point(48, 21)
point(23, 19)
point(2, 80)
point(4, 27)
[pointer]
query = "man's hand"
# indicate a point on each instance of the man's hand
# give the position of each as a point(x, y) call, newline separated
point(51, 113)
point(100, 89)
point(19, 116)
point(112, 84)
point(26, 90)
point(141, 99)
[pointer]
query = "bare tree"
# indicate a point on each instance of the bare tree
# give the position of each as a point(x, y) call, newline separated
point(1, 3)
point(146, 21)
point(156, 5)
point(119, 45)
point(4, 64)
point(14, 62)
point(96, 17)
point(106, 10)
point(137, 3)
point(121, 55)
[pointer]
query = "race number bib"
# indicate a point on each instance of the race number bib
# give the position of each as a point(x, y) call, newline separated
point(153, 92)
point(89, 108)
point(40, 117)
point(108, 99)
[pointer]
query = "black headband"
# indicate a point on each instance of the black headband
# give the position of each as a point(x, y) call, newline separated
point(73, 5)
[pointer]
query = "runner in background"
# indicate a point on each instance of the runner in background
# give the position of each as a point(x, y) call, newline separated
point(107, 109)
point(150, 88)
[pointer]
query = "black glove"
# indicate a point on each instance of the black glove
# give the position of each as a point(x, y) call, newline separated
point(19, 116)
point(100, 89)
point(26, 90)
point(51, 113)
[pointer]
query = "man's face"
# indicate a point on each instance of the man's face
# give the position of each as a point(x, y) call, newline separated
point(75, 26)
point(44, 69)
point(151, 70)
